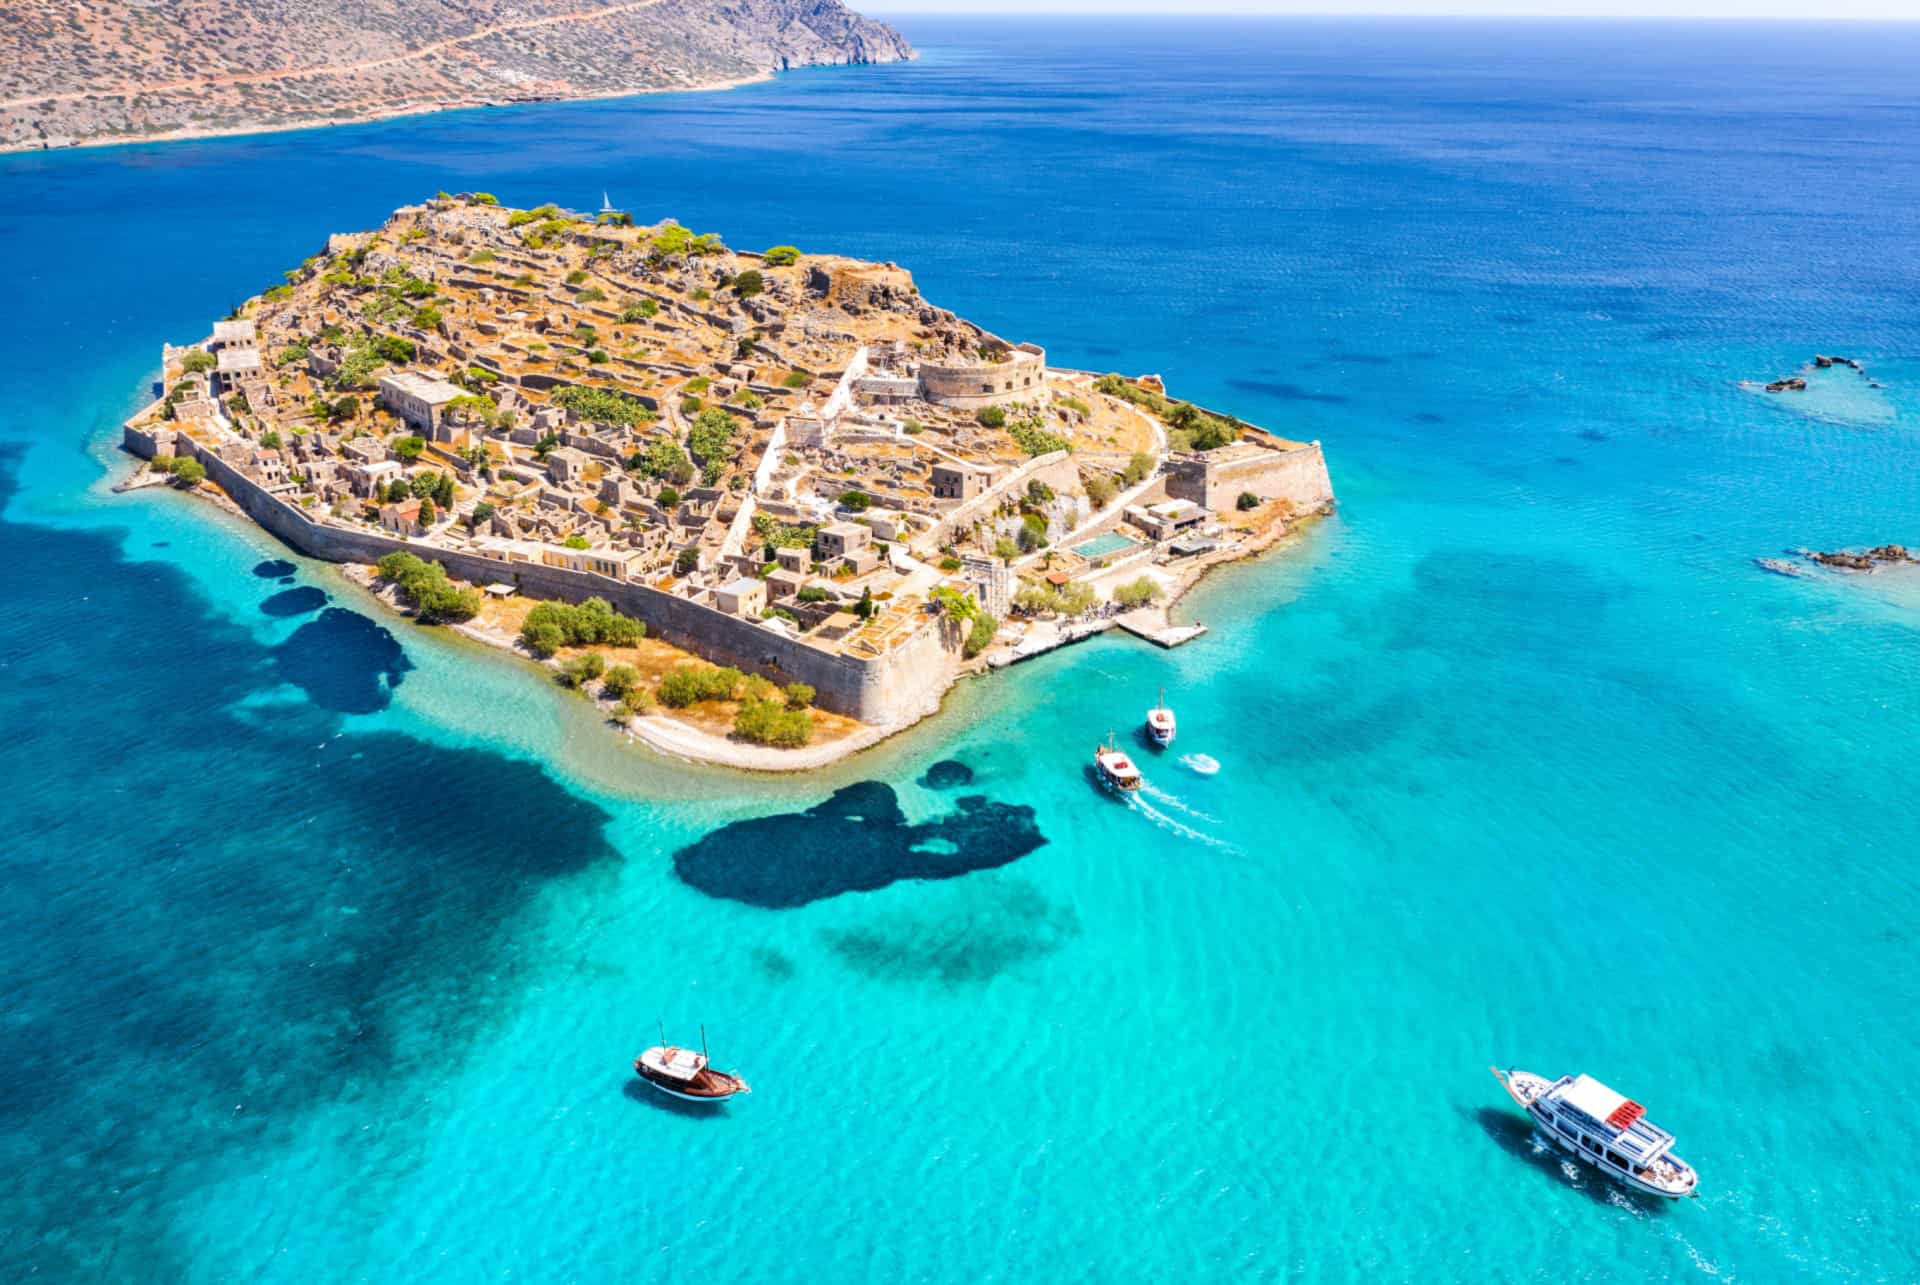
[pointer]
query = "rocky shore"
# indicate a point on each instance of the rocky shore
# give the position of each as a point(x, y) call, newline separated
point(1871, 560)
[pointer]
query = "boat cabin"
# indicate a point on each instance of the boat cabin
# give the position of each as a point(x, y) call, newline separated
point(1611, 1128)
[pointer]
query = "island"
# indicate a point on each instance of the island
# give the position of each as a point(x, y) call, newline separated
point(764, 507)
point(115, 71)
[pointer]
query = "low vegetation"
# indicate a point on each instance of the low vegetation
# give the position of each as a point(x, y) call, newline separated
point(425, 585)
point(553, 625)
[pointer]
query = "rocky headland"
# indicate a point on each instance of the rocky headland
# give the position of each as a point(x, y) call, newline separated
point(130, 70)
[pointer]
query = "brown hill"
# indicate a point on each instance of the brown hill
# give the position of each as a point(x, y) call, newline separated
point(118, 70)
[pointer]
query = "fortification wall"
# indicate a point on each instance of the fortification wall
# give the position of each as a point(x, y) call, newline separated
point(893, 688)
point(970, 387)
point(1298, 476)
point(1056, 469)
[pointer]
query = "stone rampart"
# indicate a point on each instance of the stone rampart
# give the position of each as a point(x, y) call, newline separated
point(1294, 473)
point(895, 687)
point(1022, 377)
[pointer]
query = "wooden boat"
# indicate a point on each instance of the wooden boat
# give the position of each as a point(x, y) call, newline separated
point(1160, 723)
point(685, 1074)
point(1608, 1131)
point(1115, 769)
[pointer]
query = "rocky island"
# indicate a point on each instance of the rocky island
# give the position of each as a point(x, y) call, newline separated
point(765, 507)
point(124, 70)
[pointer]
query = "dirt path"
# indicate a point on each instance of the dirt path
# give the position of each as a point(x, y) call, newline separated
point(338, 69)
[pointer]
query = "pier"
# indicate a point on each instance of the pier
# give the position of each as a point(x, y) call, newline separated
point(1157, 629)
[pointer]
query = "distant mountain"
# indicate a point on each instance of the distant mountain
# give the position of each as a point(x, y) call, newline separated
point(116, 70)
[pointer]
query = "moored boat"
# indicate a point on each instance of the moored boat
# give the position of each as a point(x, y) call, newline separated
point(1115, 769)
point(685, 1074)
point(1605, 1129)
point(1160, 723)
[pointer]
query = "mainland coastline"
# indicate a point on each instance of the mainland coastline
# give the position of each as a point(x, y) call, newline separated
point(763, 507)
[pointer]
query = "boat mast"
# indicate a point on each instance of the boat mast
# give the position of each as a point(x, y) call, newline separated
point(703, 1041)
point(663, 1033)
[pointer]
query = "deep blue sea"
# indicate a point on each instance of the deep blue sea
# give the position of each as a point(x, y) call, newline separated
point(326, 942)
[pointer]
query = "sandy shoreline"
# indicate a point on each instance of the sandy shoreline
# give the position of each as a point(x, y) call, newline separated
point(374, 114)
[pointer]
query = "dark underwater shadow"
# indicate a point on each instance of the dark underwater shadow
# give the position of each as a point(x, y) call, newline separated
point(947, 774)
point(637, 1090)
point(1514, 1134)
point(294, 602)
point(274, 568)
point(856, 841)
point(343, 661)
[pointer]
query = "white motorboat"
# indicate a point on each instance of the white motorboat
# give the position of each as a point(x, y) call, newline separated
point(1115, 769)
point(1160, 723)
point(1603, 1128)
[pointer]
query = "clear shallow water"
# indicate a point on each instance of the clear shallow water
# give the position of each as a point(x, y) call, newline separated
point(326, 947)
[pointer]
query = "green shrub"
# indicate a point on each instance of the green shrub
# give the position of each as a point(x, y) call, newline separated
point(426, 586)
point(640, 310)
point(575, 277)
point(710, 439)
point(1101, 490)
point(1137, 468)
point(799, 695)
point(770, 722)
point(198, 363)
point(812, 593)
point(691, 684)
point(1137, 594)
point(668, 498)
point(796, 379)
point(582, 669)
point(858, 501)
point(621, 682)
point(949, 563)
point(782, 255)
point(980, 635)
point(603, 406)
point(1035, 440)
point(638, 701)
point(1247, 501)
point(991, 417)
point(592, 294)
point(553, 625)
point(749, 284)
point(188, 472)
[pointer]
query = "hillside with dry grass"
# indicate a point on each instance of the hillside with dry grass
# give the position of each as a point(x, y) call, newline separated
point(117, 70)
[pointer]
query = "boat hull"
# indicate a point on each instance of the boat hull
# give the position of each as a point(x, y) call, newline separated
point(1526, 1089)
point(691, 1097)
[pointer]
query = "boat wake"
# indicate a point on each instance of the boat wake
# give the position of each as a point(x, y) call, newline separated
point(1174, 825)
point(1204, 764)
point(1174, 804)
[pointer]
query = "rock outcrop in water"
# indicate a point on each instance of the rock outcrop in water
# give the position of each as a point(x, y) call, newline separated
point(120, 70)
point(1870, 560)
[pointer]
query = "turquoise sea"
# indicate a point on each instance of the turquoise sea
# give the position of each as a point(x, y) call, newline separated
point(327, 942)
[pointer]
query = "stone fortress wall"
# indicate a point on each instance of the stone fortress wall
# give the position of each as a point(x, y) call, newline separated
point(1022, 377)
point(1271, 469)
point(894, 687)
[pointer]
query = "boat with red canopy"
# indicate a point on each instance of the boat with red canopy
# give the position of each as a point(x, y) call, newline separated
point(1607, 1130)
